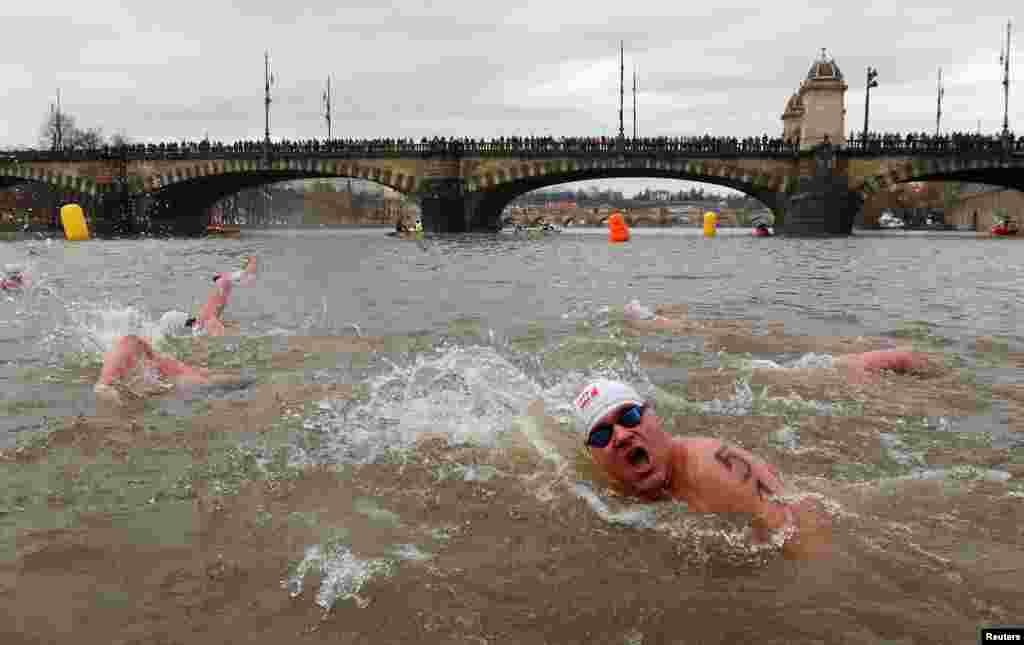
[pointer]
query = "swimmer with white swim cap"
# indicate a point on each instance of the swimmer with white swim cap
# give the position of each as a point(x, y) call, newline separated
point(134, 364)
point(625, 437)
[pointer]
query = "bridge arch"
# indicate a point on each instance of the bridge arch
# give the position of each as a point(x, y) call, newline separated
point(55, 194)
point(14, 174)
point(178, 202)
point(490, 194)
point(292, 168)
point(996, 172)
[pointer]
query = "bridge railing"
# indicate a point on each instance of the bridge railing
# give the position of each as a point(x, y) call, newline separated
point(926, 145)
point(534, 148)
point(525, 147)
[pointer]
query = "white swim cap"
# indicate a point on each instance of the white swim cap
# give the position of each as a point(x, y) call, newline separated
point(598, 399)
point(172, 323)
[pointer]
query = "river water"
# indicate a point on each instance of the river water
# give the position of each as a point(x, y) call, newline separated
point(360, 282)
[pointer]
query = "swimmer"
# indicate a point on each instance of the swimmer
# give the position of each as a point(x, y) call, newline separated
point(14, 278)
point(624, 437)
point(209, 318)
point(858, 368)
point(867, 366)
point(135, 365)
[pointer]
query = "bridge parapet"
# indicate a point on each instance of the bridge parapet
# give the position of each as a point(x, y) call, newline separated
point(885, 145)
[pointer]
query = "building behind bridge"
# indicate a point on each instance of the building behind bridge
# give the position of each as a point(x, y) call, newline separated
point(978, 204)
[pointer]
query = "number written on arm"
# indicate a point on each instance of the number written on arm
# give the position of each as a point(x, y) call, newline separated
point(738, 464)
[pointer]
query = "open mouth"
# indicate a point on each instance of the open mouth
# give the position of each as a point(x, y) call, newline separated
point(638, 457)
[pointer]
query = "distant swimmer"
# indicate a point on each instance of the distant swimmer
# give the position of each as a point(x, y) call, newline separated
point(858, 368)
point(14, 278)
point(209, 318)
point(625, 437)
point(133, 365)
point(867, 366)
point(243, 278)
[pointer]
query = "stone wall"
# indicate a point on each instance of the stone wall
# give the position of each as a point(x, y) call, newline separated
point(979, 209)
point(337, 209)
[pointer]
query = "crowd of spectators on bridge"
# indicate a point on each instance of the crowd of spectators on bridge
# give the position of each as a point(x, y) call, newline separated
point(924, 142)
point(874, 143)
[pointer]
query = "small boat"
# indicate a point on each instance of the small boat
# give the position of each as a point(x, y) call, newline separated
point(224, 230)
point(536, 230)
point(888, 220)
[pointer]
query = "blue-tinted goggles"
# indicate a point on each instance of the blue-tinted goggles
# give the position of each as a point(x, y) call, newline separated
point(629, 417)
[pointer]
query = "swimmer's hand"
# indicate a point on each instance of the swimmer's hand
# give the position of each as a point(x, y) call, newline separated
point(811, 535)
point(107, 394)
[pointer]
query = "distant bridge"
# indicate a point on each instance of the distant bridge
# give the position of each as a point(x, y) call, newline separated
point(464, 185)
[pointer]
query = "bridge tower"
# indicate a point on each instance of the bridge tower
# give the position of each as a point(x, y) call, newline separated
point(822, 96)
point(792, 118)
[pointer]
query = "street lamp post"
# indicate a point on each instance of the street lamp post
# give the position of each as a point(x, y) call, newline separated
point(327, 107)
point(1005, 60)
point(872, 73)
point(268, 80)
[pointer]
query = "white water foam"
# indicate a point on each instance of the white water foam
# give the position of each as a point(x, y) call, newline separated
point(98, 326)
point(343, 574)
point(94, 327)
point(469, 395)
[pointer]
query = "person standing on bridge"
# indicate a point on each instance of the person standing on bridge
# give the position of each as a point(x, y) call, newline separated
point(209, 318)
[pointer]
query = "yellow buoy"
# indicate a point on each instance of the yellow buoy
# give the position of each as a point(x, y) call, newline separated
point(710, 224)
point(73, 220)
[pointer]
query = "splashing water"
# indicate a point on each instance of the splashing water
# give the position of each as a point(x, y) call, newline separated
point(343, 574)
point(94, 328)
point(470, 395)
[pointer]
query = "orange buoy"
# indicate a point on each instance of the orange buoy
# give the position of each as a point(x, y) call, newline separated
point(617, 229)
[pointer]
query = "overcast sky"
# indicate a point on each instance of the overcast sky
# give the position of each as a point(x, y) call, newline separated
point(182, 70)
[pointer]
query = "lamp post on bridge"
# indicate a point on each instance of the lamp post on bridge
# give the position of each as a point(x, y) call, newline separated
point(1004, 58)
point(268, 79)
point(872, 73)
point(327, 107)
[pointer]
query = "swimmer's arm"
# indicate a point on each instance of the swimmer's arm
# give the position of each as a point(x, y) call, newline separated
point(734, 480)
point(214, 327)
point(173, 369)
point(246, 276)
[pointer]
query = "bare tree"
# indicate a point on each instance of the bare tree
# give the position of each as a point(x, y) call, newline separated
point(59, 132)
point(90, 139)
point(56, 130)
point(119, 139)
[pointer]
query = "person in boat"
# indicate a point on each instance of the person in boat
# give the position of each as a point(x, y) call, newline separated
point(625, 437)
point(133, 368)
point(209, 318)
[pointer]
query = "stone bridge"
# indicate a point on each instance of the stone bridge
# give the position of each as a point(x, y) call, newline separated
point(465, 187)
